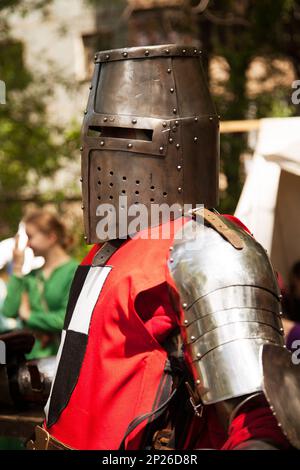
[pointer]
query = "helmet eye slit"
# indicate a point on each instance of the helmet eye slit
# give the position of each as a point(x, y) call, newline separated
point(121, 133)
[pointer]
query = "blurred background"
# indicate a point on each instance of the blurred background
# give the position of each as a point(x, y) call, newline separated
point(251, 56)
point(251, 53)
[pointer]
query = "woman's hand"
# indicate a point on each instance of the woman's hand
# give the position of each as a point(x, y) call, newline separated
point(18, 258)
point(24, 310)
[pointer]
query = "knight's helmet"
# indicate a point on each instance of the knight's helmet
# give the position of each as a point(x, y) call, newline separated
point(150, 135)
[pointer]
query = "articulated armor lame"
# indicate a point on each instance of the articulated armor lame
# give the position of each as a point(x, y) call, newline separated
point(230, 307)
point(149, 128)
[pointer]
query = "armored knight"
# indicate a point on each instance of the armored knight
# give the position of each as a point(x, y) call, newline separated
point(169, 342)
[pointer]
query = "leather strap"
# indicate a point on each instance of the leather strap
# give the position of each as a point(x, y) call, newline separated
point(106, 251)
point(217, 223)
point(44, 441)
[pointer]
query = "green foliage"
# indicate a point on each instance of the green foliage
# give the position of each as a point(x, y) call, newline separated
point(31, 147)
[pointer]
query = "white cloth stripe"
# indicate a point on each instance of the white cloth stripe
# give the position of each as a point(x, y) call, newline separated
point(87, 299)
point(82, 313)
point(58, 356)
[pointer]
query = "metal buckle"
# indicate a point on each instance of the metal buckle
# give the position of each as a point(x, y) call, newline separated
point(196, 408)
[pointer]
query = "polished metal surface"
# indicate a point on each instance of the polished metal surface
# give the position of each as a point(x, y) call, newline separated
point(150, 133)
point(232, 297)
point(229, 333)
point(230, 370)
point(230, 307)
point(232, 317)
point(204, 262)
point(281, 385)
point(167, 50)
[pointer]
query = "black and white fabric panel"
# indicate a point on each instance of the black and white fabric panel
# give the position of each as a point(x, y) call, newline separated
point(85, 290)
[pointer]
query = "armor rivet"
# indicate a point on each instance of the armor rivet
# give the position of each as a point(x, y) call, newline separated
point(146, 52)
point(85, 112)
point(280, 313)
point(282, 330)
point(195, 139)
point(183, 51)
point(195, 51)
point(211, 118)
point(125, 54)
point(107, 56)
point(184, 305)
point(134, 121)
point(198, 355)
point(280, 296)
point(85, 238)
point(82, 207)
point(177, 146)
point(95, 56)
point(164, 124)
point(171, 248)
point(186, 322)
point(198, 382)
point(169, 70)
point(172, 90)
point(176, 123)
point(179, 190)
point(81, 179)
point(129, 146)
point(171, 260)
point(105, 119)
point(102, 143)
point(219, 117)
point(175, 110)
point(81, 148)
point(170, 140)
point(193, 339)
point(161, 149)
point(91, 87)
point(167, 51)
point(279, 424)
point(196, 119)
point(179, 167)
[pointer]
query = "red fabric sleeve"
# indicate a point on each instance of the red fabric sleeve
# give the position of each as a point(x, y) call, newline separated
point(255, 424)
point(155, 309)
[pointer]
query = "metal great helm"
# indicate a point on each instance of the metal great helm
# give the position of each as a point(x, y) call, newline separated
point(150, 133)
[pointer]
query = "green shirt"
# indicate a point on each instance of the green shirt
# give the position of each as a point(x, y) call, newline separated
point(48, 300)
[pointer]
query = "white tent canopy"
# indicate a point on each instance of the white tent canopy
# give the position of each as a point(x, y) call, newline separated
point(270, 201)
